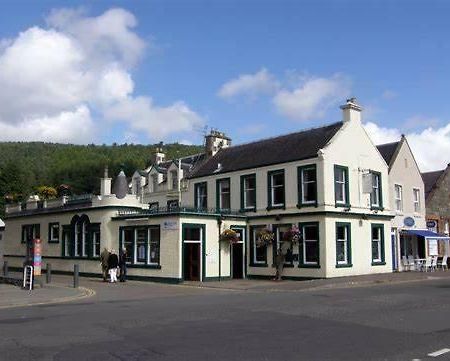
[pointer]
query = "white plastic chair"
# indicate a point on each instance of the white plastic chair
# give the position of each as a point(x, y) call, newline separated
point(428, 264)
point(412, 263)
point(443, 264)
point(406, 264)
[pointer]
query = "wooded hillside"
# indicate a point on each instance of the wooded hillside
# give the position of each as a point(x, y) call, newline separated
point(26, 166)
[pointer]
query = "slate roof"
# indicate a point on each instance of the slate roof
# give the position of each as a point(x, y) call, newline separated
point(286, 148)
point(430, 179)
point(387, 151)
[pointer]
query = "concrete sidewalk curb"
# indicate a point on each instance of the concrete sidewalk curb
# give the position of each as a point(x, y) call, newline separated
point(311, 287)
point(86, 293)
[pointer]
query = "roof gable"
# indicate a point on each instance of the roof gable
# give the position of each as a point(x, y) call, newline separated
point(431, 180)
point(282, 149)
point(388, 151)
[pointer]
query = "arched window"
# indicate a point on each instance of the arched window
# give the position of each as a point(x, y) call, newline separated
point(80, 226)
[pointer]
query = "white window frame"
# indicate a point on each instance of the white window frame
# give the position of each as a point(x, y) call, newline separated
point(378, 241)
point(345, 242)
point(305, 183)
point(255, 260)
point(52, 232)
point(273, 187)
point(149, 247)
point(222, 193)
point(341, 184)
point(398, 198)
point(305, 262)
point(416, 199)
point(201, 195)
point(248, 189)
point(94, 239)
point(376, 177)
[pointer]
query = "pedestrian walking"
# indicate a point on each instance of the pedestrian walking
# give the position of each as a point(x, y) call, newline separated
point(113, 264)
point(123, 264)
point(104, 263)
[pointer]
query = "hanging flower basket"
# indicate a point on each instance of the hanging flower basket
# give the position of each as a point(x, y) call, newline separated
point(229, 235)
point(264, 237)
point(292, 235)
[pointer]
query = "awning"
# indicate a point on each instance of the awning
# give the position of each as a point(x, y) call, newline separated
point(424, 233)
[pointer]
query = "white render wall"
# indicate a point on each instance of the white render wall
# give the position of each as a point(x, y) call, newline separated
point(404, 171)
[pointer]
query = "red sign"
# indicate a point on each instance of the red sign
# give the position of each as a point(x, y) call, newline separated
point(37, 259)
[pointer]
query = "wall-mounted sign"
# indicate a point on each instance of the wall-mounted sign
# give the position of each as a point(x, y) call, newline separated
point(170, 225)
point(431, 224)
point(37, 258)
point(432, 247)
point(409, 221)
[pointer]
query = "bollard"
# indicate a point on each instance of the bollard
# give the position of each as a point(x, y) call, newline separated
point(76, 269)
point(5, 268)
point(48, 274)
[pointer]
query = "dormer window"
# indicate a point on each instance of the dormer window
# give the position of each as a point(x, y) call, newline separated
point(174, 176)
point(154, 182)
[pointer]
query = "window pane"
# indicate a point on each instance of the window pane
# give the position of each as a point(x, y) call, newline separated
point(310, 232)
point(312, 251)
point(261, 254)
point(277, 179)
point(141, 241)
point(128, 238)
point(340, 232)
point(154, 245)
point(192, 234)
point(340, 175)
point(376, 251)
point(341, 251)
point(250, 182)
point(278, 195)
point(224, 189)
point(250, 198)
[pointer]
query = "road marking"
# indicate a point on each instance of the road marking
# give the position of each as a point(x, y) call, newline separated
point(439, 352)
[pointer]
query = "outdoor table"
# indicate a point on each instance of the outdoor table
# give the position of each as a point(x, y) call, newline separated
point(419, 263)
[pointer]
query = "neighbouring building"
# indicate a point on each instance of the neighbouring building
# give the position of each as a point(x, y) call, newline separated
point(409, 236)
point(437, 201)
point(330, 182)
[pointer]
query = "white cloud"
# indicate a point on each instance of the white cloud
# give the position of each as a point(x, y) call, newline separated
point(76, 67)
point(312, 98)
point(249, 85)
point(430, 147)
point(156, 122)
point(68, 126)
point(389, 94)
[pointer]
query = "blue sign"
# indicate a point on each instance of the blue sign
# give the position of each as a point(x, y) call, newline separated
point(431, 224)
point(409, 221)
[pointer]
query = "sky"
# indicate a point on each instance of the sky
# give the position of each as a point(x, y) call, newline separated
point(150, 71)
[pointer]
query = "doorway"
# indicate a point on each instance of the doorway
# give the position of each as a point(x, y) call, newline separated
point(192, 261)
point(238, 256)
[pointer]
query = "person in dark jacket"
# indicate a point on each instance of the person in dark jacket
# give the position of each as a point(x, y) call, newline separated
point(104, 263)
point(123, 264)
point(113, 264)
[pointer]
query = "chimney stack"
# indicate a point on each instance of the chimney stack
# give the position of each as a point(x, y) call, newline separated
point(351, 111)
point(105, 184)
point(159, 156)
point(215, 141)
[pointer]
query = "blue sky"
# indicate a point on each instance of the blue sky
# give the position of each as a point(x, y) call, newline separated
point(288, 66)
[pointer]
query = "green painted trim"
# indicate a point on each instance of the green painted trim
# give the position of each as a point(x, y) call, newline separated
point(269, 189)
point(290, 278)
point(325, 213)
point(301, 263)
point(196, 188)
point(349, 244)
point(213, 279)
point(49, 232)
point(242, 180)
point(55, 257)
point(300, 170)
point(180, 214)
point(378, 263)
point(251, 242)
point(383, 259)
point(45, 211)
point(346, 204)
point(170, 280)
point(218, 205)
point(380, 187)
point(259, 265)
point(203, 248)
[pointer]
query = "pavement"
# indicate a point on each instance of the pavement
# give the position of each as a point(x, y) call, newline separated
point(387, 317)
point(61, 289)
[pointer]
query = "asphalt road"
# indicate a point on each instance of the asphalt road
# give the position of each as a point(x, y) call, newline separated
point(140, 321)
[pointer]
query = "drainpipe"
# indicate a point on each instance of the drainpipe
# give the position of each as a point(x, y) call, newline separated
point(219, 224)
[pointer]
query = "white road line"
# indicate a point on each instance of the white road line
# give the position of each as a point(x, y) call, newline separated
point(439, 352)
